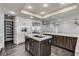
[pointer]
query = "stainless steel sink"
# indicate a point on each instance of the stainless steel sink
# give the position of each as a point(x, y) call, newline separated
point(38, 36)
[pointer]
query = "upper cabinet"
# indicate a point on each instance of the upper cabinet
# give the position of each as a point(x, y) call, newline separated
point(35, 24)
point(36, 27)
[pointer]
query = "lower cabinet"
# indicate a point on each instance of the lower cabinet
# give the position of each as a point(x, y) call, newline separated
point(27, 44)
point(45, 47)
point(33, 47)
point(66, 42)
point(38, 48)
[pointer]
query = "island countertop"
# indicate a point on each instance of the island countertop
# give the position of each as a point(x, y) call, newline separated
point(41, 38)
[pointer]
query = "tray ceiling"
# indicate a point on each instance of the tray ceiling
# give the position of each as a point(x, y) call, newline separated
point(39, 10)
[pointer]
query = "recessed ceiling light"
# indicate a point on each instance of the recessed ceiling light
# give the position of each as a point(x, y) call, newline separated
point(29, 7)
point(62, 3)
point(45, 5)
point(42, 12)
point(11, 12)
point(31, 17)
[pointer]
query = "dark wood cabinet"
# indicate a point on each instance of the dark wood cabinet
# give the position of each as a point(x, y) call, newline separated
point(45, 46)
point(38, 48)
point(27, 44)
point(66, 42)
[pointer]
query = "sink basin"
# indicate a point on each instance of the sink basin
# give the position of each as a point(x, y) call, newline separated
point(38, 36)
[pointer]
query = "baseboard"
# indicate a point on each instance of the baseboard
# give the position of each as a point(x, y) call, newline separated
point(1, 48)
point(17, 43)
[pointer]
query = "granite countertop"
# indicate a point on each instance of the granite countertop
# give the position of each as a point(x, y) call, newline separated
point(40, 38)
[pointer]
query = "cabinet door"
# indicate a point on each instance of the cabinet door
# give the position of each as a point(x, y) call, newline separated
point(52, 39)
point(71, 43)
point(36, 48)
point(31, 46)
point(45, 48)
point(64, 42)
point(60, 41)
point(27, 43)
point(55, 40)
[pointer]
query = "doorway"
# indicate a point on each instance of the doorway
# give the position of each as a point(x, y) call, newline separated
point(8, 30)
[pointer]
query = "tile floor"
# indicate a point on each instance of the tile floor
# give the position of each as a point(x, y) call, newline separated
point(56, 51)
point(19, 50)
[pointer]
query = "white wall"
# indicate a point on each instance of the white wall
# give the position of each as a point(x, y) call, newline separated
point(1, 30)
point(21, 22)
point(48, 28)
point(68, 26)
point(65, 26)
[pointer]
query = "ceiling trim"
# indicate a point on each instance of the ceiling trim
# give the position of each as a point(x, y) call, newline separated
point(29, 13)
point(69, 8)
point(62, 11)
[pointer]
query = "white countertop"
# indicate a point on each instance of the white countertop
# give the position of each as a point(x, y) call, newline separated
point(64, 34)
point(37, 38)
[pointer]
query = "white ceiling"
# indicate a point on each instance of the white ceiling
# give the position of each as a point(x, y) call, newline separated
point(37, 8)
point(16, 7)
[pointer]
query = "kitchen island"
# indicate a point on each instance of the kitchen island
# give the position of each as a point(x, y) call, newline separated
point(38, 45)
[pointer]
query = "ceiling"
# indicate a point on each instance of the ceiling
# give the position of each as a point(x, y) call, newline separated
point(38, 7)
point(38, 10)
